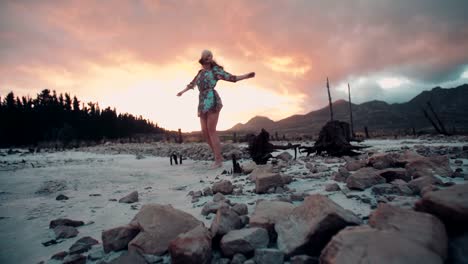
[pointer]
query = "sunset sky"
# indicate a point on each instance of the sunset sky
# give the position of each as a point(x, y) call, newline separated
point(137, 55)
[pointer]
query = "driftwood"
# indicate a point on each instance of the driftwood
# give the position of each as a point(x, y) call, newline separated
point(333, 139)
point(260, 148)
point(350, 112)
point(173, 157)
point(235, 165)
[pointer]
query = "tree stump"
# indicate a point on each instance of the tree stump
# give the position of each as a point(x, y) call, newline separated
point(333, 139)
point(260, 148)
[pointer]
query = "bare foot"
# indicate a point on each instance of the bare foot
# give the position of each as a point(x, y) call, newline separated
point(216, 165)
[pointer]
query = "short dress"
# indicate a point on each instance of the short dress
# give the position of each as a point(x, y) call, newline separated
point(208, 99)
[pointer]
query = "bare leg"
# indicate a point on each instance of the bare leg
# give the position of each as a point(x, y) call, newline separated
point(205, 134)
point(212, 121)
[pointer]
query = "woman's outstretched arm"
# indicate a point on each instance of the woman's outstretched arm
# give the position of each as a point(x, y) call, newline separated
point(221, 74)
point(191, 85)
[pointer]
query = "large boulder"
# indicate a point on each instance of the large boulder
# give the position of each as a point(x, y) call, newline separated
point(158, 225)
point(450, 205)
point(117, 238)
point(311, 225)
point(226, 220)
point(392, 174)
point(364, 178)
point(260, 170)
point(265, 181)
point(244, 241)
point(436, 165)
point(363, 244)
point(267, 213)
point(383, 160)
point(417, 185)
point(422, 228)
point(224, 187)
point(192, 247)
point(212, 207)
point(354, 165)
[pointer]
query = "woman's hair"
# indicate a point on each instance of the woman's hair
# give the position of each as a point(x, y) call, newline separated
point(213, 63)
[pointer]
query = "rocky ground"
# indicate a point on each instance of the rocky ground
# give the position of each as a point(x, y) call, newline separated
point(401, 201)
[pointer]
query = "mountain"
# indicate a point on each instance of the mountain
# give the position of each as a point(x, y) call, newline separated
point(380, 117)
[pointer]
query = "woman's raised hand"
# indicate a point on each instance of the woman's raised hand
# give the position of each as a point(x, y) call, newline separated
point(179, 93)
point(251, 75)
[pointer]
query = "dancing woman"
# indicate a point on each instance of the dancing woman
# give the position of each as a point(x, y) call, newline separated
point(209, 103)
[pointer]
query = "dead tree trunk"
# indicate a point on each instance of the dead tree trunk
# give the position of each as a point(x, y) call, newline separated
point(330, 101)
point(442, 127)
point(432, 121)
point(350, 112)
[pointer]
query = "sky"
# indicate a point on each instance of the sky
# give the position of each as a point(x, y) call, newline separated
point(137, 55)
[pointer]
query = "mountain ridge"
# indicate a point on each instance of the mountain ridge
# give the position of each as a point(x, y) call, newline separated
point(377, 115)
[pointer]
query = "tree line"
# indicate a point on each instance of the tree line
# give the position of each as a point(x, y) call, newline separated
point(49, 117)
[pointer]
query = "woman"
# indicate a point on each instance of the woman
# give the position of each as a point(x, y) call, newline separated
point(209, 103)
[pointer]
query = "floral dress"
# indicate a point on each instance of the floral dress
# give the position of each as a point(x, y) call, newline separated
point(208, 99)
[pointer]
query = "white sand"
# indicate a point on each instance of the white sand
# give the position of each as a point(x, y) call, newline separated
point(25, 215)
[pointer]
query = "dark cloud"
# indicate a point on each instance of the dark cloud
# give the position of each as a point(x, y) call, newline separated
point(422, 40)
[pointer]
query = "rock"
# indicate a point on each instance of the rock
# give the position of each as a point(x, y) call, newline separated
point(238, 259)
point(61, 197)
point(130, 198)
point(212, 207)
point(332, 187)
point(285, 156)
point(248, 167)
point(244, 241)
point(418, 184)
point(207, 191)
point(74, 259)
point(244, 220)
point(192, 247)
point(450, 205)
point(260, 170)
point(218, 197)
point(384, 188)
point(363, 179)
point(287, 179)
point(311, 225)
point(65, 232)
point(383, 160)
point(224, 187)
point(96, 253)
point(392, 174)
point(129, 257)
point(430, 166)
point(65, 222)
point(402, 187)
point(268, 213)
point(159, 224)
point(304, 259)
point(117, 238)
point(240, 209)
point(263, 182)
point(226, 220)
point(268, 256)
point(354, 165)
point(60, 255)
point(363, 244)
point(82, 245)
point(421, 228)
